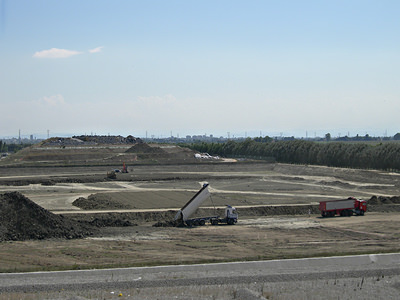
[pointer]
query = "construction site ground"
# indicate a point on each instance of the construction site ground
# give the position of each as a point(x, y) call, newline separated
point(277, 205)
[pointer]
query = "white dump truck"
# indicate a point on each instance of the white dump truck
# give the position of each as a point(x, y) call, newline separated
point(183, 215)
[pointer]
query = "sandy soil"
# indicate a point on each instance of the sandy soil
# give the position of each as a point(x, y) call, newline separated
point(251, 239)
point(170, 186)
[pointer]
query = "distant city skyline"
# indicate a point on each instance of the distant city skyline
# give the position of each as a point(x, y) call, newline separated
point(200, 67)
point(244, 134)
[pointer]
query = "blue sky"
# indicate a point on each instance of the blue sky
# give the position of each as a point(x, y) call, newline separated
point(199, 67)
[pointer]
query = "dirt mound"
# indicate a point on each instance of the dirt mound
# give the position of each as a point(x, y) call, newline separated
point(108, 139)
point(99, 201)
point(110, 220)
point(381, 200)
point(91, 140)
point(118, 219)
point(22, 219)
point(144, 151)
point(170, 153)
point(395, 199)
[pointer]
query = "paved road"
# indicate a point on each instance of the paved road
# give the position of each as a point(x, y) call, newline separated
point(222, 274)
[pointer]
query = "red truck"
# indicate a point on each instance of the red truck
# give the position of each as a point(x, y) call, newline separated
point(344, 207)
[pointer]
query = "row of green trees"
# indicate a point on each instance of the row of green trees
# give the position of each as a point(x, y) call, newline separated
point(4, 147)
point(383, 156)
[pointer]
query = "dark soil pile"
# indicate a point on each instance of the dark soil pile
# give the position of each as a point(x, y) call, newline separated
point(22, 219)
point(108, 139)
point(91, 140)
point(50, 182)
point(117, 219)
point(381, 200)
point(99, 201)
point(110, 220)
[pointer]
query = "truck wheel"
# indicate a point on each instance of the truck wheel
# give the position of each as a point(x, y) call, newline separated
point(231, 222)
point(202, 222)
point(214, 222)
point(361, 213)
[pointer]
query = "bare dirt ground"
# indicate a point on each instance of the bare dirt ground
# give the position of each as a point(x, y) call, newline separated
point(169, 186)
point(250, 239)
point(51, 194)
point(160, 190)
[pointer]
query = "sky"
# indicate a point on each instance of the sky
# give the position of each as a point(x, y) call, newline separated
point(168, 67)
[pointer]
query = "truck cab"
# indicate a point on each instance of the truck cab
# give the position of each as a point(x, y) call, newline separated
point(230, 212)
point(360, 207)
point(231, 215)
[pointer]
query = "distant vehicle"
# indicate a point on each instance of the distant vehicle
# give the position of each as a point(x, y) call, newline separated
point(205, 156)
point(343, 208)
point(183, 215)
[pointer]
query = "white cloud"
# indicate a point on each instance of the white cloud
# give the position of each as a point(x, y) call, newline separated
point(52, 100)
point(56, 53)
point(96, 50)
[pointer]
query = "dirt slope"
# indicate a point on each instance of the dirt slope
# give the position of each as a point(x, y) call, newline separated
point(98, 150)
point(22, 219)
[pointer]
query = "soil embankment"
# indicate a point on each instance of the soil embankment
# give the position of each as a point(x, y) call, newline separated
point(22, 219)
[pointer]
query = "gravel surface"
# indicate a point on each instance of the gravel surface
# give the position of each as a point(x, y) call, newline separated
point(362, 277)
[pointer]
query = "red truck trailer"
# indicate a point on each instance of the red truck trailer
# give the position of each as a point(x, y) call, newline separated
point(344, 207)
